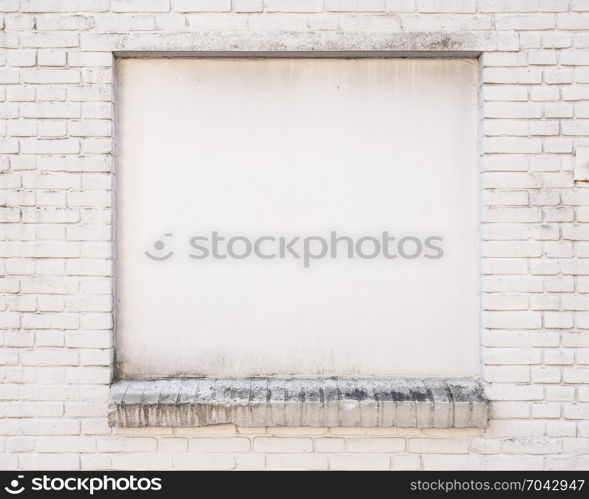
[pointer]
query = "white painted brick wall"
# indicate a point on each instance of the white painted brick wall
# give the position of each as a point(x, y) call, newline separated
point(56, 244)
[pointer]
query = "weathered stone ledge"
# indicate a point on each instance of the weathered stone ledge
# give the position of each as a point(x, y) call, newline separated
point(366, 402)
point(241, 42)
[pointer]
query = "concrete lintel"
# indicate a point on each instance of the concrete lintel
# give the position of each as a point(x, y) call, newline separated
point(244, 42)
point(364, 402)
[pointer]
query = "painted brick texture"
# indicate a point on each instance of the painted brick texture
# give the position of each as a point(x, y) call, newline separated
point(56, 242)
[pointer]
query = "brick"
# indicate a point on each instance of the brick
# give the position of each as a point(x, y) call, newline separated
point(511, 374)
point(524, 22)
point(49, 40)
point(505, 320)
point(531, 446)
point(513, 110)
point(576, 375)
point(370, 23)
point(226, 445)
point(300, 462)
point(512, 356)
point(505, 391)
point(359, 462)
point(50, 358)
point(146, 461)
point(19, 22)
point(572, 21)
point(452, 462)
point(20, 58)
point(354, 5)
point(51, 110)
point(127, 444)
point(57, 461)
point(542, 58)
point(329, 444)
point(436, 446)
point(64, 22)
point(203, 462)
point(371, 445)
point(140, 5)
point(85, 59)
point(65, 444)
point(577, 411)
point(282, 444)
point(289, 5)
point(89, 375)
point(546, 375)
point(560, 429)
point(443, 22)
point(247, 6)
point(400, 5)
point(54, 58)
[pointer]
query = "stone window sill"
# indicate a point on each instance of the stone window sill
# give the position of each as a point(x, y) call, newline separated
point(366, 402)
